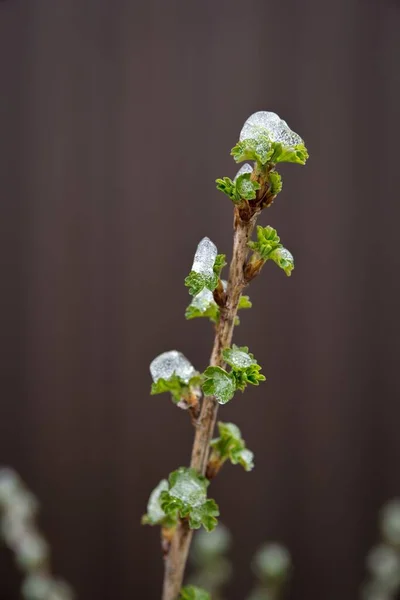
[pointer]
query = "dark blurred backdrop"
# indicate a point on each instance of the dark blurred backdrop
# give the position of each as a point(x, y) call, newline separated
point(116, 118)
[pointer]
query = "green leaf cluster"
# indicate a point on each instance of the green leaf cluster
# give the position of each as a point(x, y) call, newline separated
point(242, 188)
point(196, 282)
point(258, 149)
point(192, 592)
point(177, 387)
point(244, 370)
point(231, 446)
point(186, 498)
point(199, 308)
point(264, 151)
point(269, 247)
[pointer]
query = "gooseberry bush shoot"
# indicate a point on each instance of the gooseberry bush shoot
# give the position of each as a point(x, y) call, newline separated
point(180, 503)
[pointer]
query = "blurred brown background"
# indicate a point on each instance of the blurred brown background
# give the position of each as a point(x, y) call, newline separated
point(116, 118)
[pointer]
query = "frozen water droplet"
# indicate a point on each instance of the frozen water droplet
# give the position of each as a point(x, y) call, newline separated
point(203, 300)
point(189, 490)
point(246, 168)
point(154, 510)
point(264, 122)
point(205, 256)
point(169, 363)
point(285, 255)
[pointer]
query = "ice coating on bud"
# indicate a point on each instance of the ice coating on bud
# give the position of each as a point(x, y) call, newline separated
point(246, 168)
point(169, 363)
point(205, 256)
point(270, 124)
point(203, 300)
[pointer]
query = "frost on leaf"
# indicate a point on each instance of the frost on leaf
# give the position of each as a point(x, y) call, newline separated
point(172, 372)
point(268, 138)
point(245, 368)
point(268, 247)
point(202, 274)
point(155, 514)
point(231, 446)
point(218, 383)
point(186, 497)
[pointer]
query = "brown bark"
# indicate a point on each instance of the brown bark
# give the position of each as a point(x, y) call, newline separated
point(175, 562)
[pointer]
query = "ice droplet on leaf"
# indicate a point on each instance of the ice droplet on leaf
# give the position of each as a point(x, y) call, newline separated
point(203, 300)
point(169, 363)
point(204, 258)
point(246, 168)
point(188, 489)
point(270, 124)
point(154, 511)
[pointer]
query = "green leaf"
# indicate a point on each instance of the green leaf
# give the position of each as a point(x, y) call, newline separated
point(203, 305)
point(219, 264)
point(238, 358)
point(155, 514)
point(245, 187)
point(293, 154)
point(196, 282)
point(242, 188)
point(259, 149)
point(267, 241)
point(284, 259)
point(275, 181)
point(243, 457)
point(191, 592)
point(187, 498)
point(227, 186)
point(212, 313)
point(245, 369)
point(175, 385)
point(249, 375)
point(244, 302)
point(268, 247)
point(218, 383)
point(298, 155)
point(231, 446)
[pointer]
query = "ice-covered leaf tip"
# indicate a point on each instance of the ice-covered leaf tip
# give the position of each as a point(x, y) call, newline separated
point(155, 514)
point(222, 384)
point(204, 305)
point(186, 497)
point(242, 187)
point(230, 446)
point(206, 268)
point(172, 372)
point(192, 592)
point(266, 138)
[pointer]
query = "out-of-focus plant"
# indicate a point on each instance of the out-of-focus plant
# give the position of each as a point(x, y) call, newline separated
point(383, 561)
point(211, 568)
point(18, 510)
point(180, 503)
point(272, 566)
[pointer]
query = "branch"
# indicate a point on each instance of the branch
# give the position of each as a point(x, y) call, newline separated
point(175, 561)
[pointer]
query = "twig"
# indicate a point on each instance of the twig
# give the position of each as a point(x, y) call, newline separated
point(175, 561)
